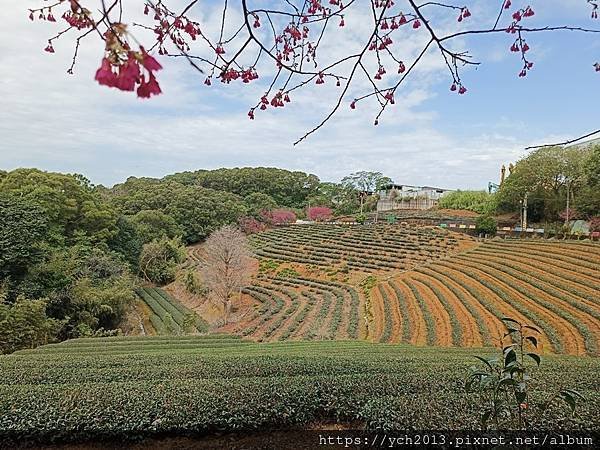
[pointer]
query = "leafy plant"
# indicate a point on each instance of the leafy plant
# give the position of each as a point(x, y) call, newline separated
point(267, 265)
point(486, 225)
point(508, 402)
point(287, 273)
point(193, 284)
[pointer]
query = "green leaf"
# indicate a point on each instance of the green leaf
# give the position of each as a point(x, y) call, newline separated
point(508, 319)
point(569, 399)
point(575, 393)
point(535, 357)
point(508, 347)
point(543, 405)
point(484, 361)
point(509, 357)
point(533, 340)
point(485, 417)
point(507, 381)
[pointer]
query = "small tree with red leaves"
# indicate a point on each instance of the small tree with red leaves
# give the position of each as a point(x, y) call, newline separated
point(250, 225)
point(279, 217)
point(296, 44)
point(595, 224)
point(319, 213)
point(569, 214)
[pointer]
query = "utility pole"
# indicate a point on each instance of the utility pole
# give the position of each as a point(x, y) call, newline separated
point(568, 195)
point(521, 213)
point(525, 210)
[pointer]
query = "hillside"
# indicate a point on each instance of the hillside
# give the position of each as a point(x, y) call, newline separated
point(417, 285)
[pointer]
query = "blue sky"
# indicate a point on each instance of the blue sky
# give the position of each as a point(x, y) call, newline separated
point(67, 123)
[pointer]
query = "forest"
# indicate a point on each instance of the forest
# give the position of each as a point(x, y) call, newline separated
point(72, 254)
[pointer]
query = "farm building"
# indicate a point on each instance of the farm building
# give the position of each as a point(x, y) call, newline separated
point(404, 196)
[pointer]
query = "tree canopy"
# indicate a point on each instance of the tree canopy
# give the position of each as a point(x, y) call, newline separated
point(547, 176)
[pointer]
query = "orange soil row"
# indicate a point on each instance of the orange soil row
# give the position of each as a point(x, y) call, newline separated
point(263, 325)
point(396, 318)
point(492, 323)
point(310, 317)
point(443, 328)
point(287, 322)
point(581, 316)
point(553, 265)
point(418, 334)
point(572, 251)
point(471, 337)
point(343, 325)
point(523, 264)
point(505, 309)
point(573, 255)
point(379, 315)
point(572, 340)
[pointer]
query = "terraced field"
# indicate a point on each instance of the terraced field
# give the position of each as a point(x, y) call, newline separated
point(301, 308)
point(368, 248)
point(127, 388)
point(434, 288)
point(168, 316)
point(459, 301)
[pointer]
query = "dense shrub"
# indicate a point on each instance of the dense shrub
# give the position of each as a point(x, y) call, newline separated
point(478, 201)
point(159, 259)
point(250, 225)
point(595, 224)
point(486, 225)
point(319, 213)
point(279, 216)
point(25, 324)
point(570, 213)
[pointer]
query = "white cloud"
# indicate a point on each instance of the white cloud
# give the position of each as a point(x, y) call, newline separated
point(68, 123)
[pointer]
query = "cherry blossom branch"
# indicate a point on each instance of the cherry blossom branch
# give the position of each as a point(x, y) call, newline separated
point(292, 40)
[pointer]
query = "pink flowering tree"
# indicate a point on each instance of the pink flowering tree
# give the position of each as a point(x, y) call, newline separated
point(249, 225)
point(294, 45)
point(319, 213)
point(595, 224)
point(569, 214)
point(279, 216)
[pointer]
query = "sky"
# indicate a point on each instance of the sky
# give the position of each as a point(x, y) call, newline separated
point(431, 136)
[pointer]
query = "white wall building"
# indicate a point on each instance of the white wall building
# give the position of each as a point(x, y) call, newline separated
point(404, 196)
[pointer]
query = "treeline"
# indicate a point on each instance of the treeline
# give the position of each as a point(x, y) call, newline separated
point(61, 273)
point(547, 176)
point(72, 254)
point(551, 175)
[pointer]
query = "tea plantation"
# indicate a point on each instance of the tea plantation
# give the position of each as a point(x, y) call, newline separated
point(131, 387)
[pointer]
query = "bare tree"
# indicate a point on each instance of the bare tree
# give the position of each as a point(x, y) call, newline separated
point(228, 264)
